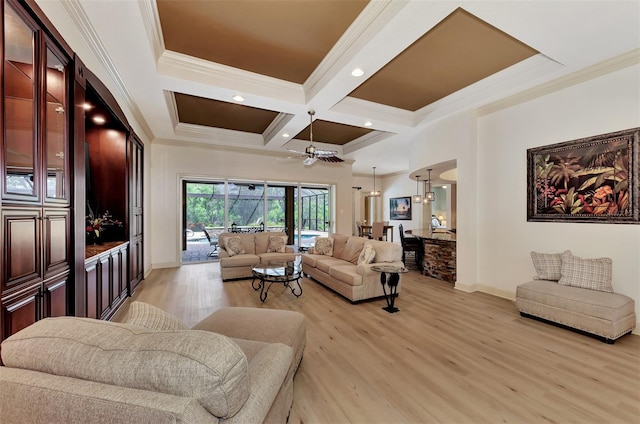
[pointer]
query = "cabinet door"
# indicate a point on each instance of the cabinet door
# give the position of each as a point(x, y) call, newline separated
point(124, 272)
point(21, 173)
point(55, 297)
point(91, 289)
point(104, 283)
point(56, 134)
point(57, 230)
point(21, 310)
point(136, 225)
point(21, 255)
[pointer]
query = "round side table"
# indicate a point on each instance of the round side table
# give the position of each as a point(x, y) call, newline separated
point(392, 282)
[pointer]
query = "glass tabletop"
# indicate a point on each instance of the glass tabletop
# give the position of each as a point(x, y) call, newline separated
point(279, 269)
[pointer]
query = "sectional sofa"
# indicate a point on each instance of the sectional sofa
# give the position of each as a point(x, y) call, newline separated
point(344, 263)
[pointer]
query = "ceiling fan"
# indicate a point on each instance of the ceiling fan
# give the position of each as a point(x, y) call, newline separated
point(311, 154)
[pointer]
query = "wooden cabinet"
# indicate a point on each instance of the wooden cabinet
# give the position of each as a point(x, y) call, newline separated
point(106, 280)
point(48, 175)
point(35, 266)
point(35, 221)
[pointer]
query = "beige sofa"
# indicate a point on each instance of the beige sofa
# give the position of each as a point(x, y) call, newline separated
point(341, 272)
point(81, 370)
point(256, 251)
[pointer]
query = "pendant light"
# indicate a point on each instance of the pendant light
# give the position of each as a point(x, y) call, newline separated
point(417, 198)
point(429, 196)
point(374, 193)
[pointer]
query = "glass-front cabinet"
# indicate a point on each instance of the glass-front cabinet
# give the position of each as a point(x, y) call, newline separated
point(35, 122)
point(36, 215)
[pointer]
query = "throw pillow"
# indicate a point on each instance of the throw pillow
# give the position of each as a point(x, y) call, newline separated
point(547, 265)
point(594, 274)
point(148, 316)
point(367, 254)
point(233, 246)
point(277, 244)
point(323, 246)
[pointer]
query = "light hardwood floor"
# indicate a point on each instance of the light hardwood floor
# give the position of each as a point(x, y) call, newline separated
point(447, 356)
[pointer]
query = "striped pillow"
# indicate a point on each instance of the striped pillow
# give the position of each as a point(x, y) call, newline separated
point(594, 274)
point(547, 265)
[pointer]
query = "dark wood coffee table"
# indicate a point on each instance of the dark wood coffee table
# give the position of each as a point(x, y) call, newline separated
point(287, 273)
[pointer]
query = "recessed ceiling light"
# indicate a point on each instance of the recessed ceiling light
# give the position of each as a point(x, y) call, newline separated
point(285, 135)
point(87, 106)
point(358, 72)
point(238, 98)
point(368, 124)
point(99, 120)
point(444, 187)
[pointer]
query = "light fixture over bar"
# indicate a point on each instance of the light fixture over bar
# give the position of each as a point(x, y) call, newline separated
point(374, 193)
point(429, 196)
point(417, 198)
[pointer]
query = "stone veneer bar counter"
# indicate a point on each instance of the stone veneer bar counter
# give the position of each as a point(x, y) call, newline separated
point(439, 254)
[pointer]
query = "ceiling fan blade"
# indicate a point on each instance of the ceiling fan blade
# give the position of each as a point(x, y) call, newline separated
point(326, 152)
point(309, 161)
point(296, 151)
point(331, 159)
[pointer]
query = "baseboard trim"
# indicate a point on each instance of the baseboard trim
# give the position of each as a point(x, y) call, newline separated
point(165, 265)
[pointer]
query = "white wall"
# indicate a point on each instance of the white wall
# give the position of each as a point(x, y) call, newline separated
point(170, 163)
point(606, 104)
point(454, 138)
point(494, 237)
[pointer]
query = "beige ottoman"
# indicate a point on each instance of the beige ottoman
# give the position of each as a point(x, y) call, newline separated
point(259, 324)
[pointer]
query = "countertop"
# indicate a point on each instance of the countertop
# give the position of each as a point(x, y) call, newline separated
point(424, 233)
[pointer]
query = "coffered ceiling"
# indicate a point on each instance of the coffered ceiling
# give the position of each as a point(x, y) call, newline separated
point(179, 63)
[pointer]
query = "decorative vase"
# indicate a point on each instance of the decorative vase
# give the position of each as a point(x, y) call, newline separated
point(94, 238)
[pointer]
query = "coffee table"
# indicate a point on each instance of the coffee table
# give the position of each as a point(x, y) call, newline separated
point(288, 273)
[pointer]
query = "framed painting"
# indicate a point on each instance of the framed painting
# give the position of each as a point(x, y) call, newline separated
point(592, 179)
point(400, 208)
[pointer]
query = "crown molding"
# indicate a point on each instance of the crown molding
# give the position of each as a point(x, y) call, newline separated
point(220, 135)
point(339, 56)
point(365, 141)
point(182, 66)
point(616, 63)
point(272, 133)
point(152, 26)
point(228, 149)
point(79, 17)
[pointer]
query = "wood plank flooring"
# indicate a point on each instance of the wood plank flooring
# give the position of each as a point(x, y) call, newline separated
point(446, 357)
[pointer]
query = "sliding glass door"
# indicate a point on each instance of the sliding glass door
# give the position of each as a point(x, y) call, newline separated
point(213, 207)
point(313, 214)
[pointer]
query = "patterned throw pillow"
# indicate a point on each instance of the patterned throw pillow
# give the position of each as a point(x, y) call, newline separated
point(233, 246)
point(594, 274)
point(148, 316)
point(367, 254)
point(547, 265)
point(323, 246)
point(277, 244)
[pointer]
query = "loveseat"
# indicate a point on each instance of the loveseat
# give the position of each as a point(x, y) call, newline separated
point(578, 294)
point(240, 252)
point(153, 369)
point(343, 263)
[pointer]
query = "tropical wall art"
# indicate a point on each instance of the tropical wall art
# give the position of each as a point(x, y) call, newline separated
point(592, 179)
point(400, 208)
